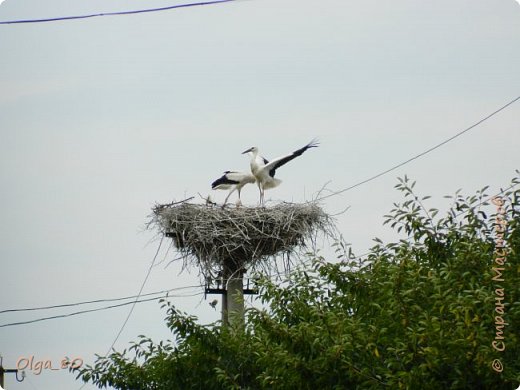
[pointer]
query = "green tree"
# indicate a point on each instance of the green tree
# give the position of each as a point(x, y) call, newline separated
point(417, 313)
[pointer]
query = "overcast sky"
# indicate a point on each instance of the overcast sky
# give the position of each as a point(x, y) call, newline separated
point(101, 118)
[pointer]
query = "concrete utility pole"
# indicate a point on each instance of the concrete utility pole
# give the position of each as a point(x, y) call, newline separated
point(230, 285)
point(233, 297)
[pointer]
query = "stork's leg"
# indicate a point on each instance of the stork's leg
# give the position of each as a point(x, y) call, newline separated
point(260, 190)
point(227, 197)
point(239, 201)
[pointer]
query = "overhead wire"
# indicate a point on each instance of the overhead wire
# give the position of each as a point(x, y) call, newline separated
point(94, 310)
point(459, 214)
point(420, 154)
point(137, 298)
point(95, 301)
point(117, 13)
point(152, 264)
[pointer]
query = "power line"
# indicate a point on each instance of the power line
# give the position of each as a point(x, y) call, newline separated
point(95, 301)
point(137, 298)
point(135, 302)
point(420, 154)
point(459, 214)
point(140, 11)
point(94, 310)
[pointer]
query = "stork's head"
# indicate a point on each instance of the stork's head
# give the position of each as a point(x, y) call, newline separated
point(253, 150)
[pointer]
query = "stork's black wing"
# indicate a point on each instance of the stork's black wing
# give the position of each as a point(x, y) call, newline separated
point(273, 165)
point(224, 180)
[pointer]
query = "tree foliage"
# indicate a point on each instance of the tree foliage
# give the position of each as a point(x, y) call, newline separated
point(417, 313)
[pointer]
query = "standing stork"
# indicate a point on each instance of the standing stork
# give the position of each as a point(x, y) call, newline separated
point(264, 170)
point(234, 181)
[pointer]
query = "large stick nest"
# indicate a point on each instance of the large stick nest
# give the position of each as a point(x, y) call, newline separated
point(248, 237)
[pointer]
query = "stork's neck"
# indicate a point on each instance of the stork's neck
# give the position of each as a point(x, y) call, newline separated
point(256, 162)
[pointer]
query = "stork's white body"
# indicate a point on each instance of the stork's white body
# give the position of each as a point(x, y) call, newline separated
point(233, 181)
point(264, 170)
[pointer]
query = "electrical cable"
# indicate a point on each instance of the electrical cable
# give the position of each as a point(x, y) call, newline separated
point(459, 214)
point(95, 301)
point(134, 303)
point(420, 154)
point(140, 11)
point(94, 310)
point(137, 298)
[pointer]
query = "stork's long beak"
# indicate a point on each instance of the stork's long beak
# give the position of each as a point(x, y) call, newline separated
point(247, 151)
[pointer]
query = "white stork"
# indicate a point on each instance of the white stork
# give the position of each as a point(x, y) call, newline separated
point(233, 181)
point(264, 170)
